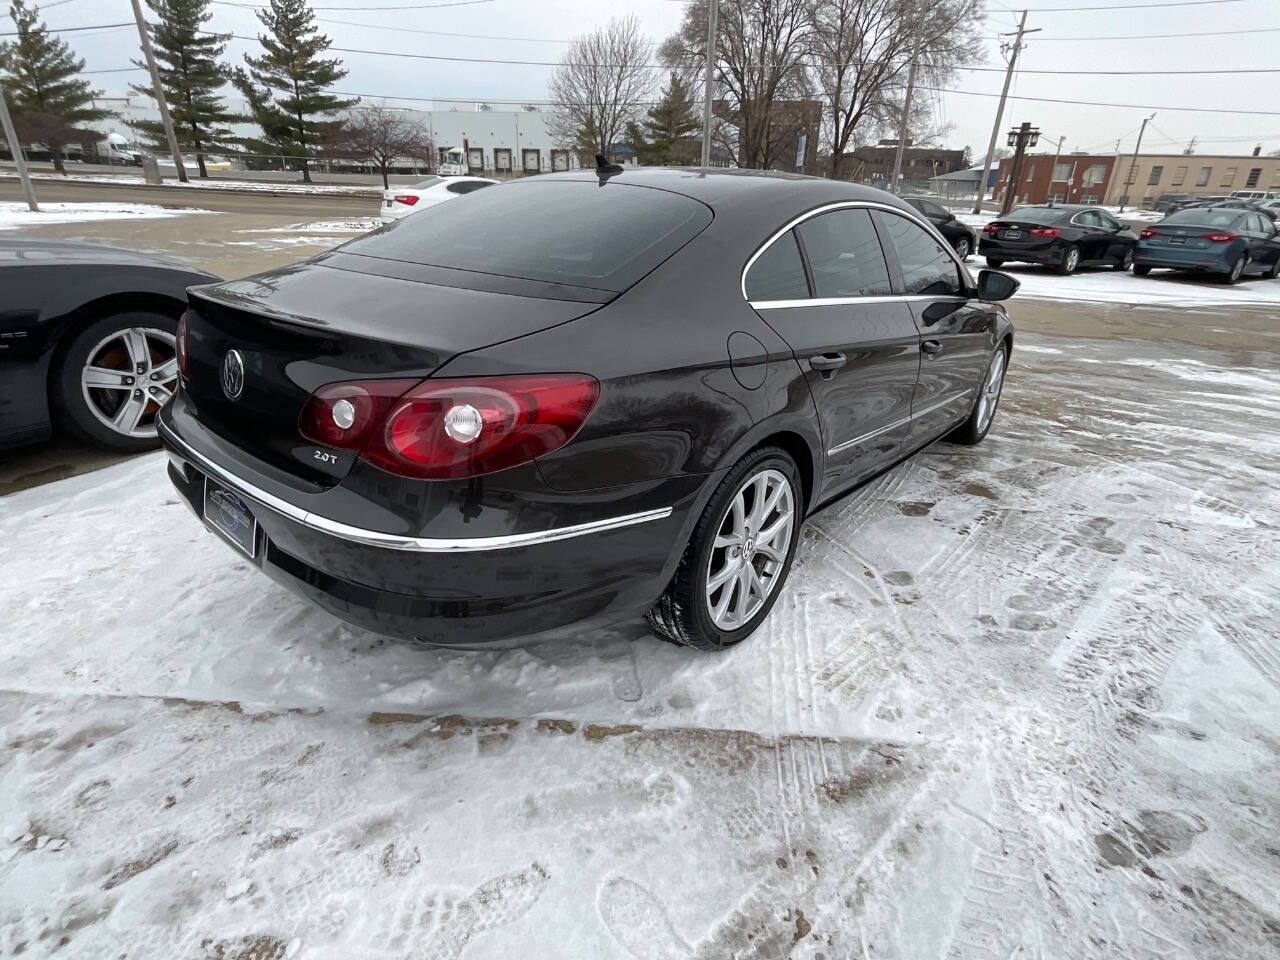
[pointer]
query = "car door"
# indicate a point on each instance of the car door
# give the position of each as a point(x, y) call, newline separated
point(1120, 241)
point(1260, 245)
point(1094, 239)
point(855, 341)
point(957, 331)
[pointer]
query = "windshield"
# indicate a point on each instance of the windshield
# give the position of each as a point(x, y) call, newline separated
point(1203, 217)
point(1037, 214)
point(573, 232)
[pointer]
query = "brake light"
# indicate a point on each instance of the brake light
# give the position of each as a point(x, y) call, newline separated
point(1148, 233)
point(408, 199)
point(1218, 237)
point(1049, 232)
point(451, 428)
point(180, 345)
point(990, 228)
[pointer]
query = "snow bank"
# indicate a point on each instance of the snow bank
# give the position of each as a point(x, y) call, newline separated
point(14, 215)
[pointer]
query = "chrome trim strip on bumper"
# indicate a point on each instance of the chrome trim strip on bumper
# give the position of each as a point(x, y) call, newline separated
point(914, 415)
point(392, 541)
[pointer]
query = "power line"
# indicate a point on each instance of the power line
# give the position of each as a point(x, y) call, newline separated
point(439, 33)
point(411, 6)
point(1123, 73)
point(1167, 36)
point(100, 26)
point(1127, 106)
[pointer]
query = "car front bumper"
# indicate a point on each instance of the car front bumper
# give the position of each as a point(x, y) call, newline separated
point(459, 591)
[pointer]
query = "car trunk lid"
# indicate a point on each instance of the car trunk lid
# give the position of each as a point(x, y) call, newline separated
point(1187, 236)
point(296, 330)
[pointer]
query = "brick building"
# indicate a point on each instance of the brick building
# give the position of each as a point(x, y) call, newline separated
point(1085, 178)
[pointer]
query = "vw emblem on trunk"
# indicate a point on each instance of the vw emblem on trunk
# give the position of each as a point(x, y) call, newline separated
point(233, 374)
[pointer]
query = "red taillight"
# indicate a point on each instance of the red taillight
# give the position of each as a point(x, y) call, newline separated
point(990, 228)
point(180, 345)
point(452, 428)
point(1218, 237)
point(408, 199)
point(1049, 232)
point(1145, 234)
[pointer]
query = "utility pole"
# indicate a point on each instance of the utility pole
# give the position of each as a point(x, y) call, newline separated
point(158, 92)
point(713, 12)
point(906, 114)
point(1128, 183)
point(1054, 169)
point(1019, 139)
point(16, 149)
point(1004, 94)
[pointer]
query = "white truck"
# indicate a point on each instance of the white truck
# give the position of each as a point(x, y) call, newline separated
point(115, 150)
point(454, 163)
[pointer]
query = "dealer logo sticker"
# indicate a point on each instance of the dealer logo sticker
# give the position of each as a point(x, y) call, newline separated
point(233, 374)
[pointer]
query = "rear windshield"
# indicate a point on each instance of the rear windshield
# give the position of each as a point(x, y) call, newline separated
point(1203, 217)
point(1037, 214)
point(423, 184)
point(568, 231)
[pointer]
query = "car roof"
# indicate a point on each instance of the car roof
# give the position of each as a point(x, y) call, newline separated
point(723, 188)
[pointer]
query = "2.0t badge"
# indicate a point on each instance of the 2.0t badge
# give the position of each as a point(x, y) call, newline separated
point(233, 374)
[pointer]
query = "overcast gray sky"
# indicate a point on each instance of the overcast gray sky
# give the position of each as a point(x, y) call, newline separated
point(1072, 40)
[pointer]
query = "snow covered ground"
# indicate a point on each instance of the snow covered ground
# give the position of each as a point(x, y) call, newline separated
point(1018, 701)
point(268, 186)
point(16, 215)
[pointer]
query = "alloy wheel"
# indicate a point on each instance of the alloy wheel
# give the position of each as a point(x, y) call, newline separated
point(962, 249)
point(129, 375)
point(750, 549)
point(1073, 260)
point(990, 394)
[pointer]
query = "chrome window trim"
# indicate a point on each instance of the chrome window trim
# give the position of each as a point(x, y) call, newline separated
point(909, 214)
point(392, 541)
point(914, 415)
point(838, 301)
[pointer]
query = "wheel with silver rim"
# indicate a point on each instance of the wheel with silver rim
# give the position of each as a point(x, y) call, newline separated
point(986, 401)
point(962, 248)
point(1126, 261)
point(1070, 260)
point(114, 377)
point(749, 549)
point(738, 556)
point(1237, 270)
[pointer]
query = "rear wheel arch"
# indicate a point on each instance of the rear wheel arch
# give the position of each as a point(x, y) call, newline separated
point(94, 310)
point(796, 447)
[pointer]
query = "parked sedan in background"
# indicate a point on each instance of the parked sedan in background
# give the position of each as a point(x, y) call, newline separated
point(962, 239)
point(631, 413)
point(401, 201)
point(1196, 202)
point(1167, 201)
point(1065, 237)
point(87, 340)
point(1223, 241)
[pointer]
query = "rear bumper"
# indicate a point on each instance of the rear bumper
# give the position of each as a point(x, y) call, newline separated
point(451, 590)
point(1168, 258)
point(1048, 252)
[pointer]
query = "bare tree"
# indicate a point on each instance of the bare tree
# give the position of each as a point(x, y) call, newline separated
point(600, 86)
point(760, 64)
point(861, 52)
point(382, 134)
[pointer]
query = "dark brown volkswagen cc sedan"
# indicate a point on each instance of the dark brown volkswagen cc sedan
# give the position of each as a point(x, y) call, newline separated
point(578, 398)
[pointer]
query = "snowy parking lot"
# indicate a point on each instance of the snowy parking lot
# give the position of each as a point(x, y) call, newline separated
point(1019, 700)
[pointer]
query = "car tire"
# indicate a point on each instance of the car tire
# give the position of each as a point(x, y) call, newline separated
point(983, 414)
point(1125, 262)
point(1236, 272)
point(1070, 261)
point(1274, 272)
point(995, 263)
point(963, 248)
point(1141, 270)
point(109, 344)
point(686, 613)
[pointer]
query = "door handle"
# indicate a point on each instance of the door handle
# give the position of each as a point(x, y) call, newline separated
point(931, 347)
point(828, 363)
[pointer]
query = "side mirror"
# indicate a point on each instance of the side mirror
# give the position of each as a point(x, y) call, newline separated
point(993, 285)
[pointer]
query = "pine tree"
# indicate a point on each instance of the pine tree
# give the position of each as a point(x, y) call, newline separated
point(669, 125)
point(286, 86)
point(49, 105)
point(191, 75)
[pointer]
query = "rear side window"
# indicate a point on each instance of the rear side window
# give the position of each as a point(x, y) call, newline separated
point(844, 255)
point(778, 273)
point(927, 269)
point(568, 231)
point(1035, 215)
